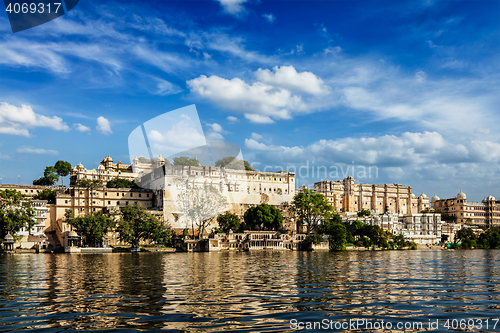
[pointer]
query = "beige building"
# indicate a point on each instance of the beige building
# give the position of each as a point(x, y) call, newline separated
point(347, 196)
point(241, 188)
point(83, 201)
point(106, 171)
point(484, 213)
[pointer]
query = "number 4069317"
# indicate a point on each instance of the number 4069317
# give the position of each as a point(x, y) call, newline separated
point(32, 8)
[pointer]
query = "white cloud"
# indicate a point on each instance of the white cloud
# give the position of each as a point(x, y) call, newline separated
point(81, 128)
point(38, 151)
point(256, 136)
point(17, 120)
point(481, 130)
point(215, 132)
point(333, 50)
point(233, 7)
point(103, 126)
point(216, 128)
point(181, 136)
point(258, 119)
point(260, 102)
point(386, 151)
point(420, 76)
point(288, 77)
point(232, 119)
point(269, 17)
point(254, 145)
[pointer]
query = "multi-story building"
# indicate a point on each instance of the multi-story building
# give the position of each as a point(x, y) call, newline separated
point(347, 196)
point(418, 228)
point(484, 213)
point(241, 188)
point(106, 171)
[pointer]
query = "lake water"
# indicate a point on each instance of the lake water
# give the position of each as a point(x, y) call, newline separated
point(250, 291)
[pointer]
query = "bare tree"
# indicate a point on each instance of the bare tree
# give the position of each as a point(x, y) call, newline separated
point(200, 204)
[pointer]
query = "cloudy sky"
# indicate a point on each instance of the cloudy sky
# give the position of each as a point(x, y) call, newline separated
point(408, 88)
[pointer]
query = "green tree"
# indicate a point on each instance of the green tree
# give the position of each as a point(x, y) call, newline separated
point(465, 234)
point(263, 216)
point(92, 228)
point(311, 209)
point(136, 225)
point(234, 163)
point(49, 178)
point(121, 183)
point(364, 212)
point(89, 183)
point(338, 235)
point(444, 238)
point(228, 221)
point(62, 168)
point(186, 161)
point(16, 212)
point(47, 194)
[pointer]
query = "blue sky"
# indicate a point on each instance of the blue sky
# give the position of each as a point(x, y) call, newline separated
point(408, 87)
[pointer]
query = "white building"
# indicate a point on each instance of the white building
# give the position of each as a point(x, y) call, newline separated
point(418, 228)
point(241, 188)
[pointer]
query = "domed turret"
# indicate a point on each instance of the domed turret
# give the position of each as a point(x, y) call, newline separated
point(80, 165)
point(72, 233)
point(9, 237)
point(100, 167)
point(161, 159)
point(461, 195)
point(423, 196)
point(435, 198)
point(490, 198)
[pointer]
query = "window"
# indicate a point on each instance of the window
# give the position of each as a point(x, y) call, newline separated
point(139, 195)
point(105, 193)
point(118, 203)
point(109, 202)
point(148, 195)
point(126, 202)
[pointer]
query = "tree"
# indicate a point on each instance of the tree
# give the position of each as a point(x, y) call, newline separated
point(199, 205)
point(228, 221)
point(234, 163)
point(49, 178)
point(311, 208)
point(136, 225)
point(92, 228)
point(89, 183)
point(463, 234)
point(364, 212)
point(47, 194)
point(62, 168)
point(186, 161)
point(263, 216)
point(338, 235)
point(121, 183)
point(444, 238)
point(16, 213)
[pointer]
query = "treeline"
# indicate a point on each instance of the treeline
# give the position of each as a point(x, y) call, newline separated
point(467, 239)
point(134, 224)
point(16, 212)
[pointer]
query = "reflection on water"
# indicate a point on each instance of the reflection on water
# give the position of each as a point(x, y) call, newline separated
point(251, 291)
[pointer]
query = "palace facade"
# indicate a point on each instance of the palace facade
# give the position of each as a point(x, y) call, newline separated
point(484, 213)
point(241, 188)
point(347, 196)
